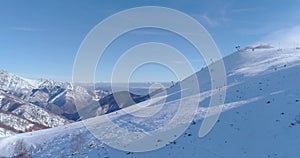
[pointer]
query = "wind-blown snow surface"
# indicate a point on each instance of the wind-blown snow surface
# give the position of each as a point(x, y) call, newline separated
point(260, 118)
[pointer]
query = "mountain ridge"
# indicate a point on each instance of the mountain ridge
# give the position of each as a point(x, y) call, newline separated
point(260, 117)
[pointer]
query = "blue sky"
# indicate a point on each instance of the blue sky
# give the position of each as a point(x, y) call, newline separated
point(40, 39)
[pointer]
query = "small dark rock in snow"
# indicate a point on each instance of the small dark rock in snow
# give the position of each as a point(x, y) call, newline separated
point(193, 122)
point(293, 124)
point(92, 145)
point(129, 153)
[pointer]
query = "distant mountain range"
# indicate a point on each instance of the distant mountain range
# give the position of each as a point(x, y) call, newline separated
point(27, 105)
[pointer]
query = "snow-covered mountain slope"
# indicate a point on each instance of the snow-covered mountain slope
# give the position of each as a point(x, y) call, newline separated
point(12, 123)
point(260, 118)
point(109, 103)
point(56, 97)
point(14, 84)
point(20, 116)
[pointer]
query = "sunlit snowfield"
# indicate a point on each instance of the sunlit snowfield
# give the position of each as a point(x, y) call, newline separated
point(260, 118)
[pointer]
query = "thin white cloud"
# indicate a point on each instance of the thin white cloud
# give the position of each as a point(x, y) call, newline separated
point(285, 38)
point(208, 20)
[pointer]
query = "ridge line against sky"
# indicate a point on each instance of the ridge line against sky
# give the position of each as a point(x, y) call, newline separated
point(40, 39)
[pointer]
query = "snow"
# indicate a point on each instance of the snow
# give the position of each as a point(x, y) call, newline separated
point(254, 64)
point(260, 117)
point(54, 97)
point(1, 97)
point(17, 116)
point(58, 96)
point(6, 133)
point(34, 83)
point(16, 122)
point(39, 115)
point(13, 82)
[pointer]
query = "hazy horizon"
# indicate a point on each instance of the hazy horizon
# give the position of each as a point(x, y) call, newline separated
point(41, 39)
